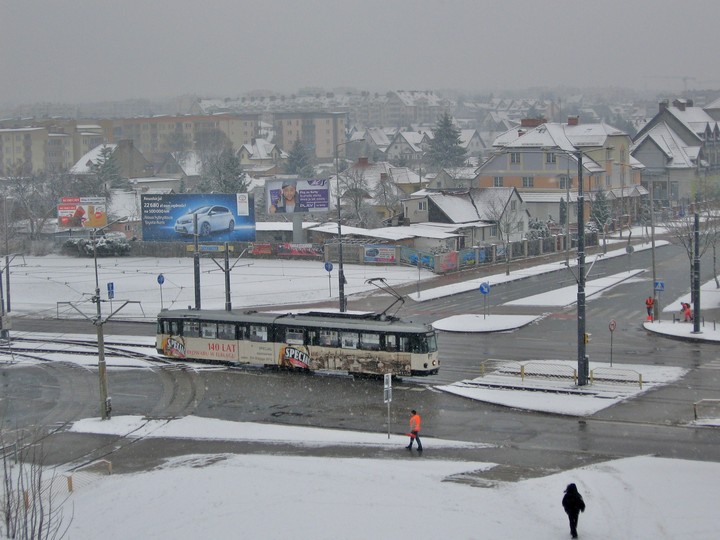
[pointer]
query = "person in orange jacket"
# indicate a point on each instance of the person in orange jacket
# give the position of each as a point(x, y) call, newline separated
point(415, 431)
point(649, 305)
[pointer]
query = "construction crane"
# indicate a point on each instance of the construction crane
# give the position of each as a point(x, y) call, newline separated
point(683, 78)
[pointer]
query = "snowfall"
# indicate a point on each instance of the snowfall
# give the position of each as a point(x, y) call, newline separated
point(279, 496)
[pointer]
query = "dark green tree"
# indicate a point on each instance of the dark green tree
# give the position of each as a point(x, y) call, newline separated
point(563, 211)
point(107, 170)
point(599, 210)
point(298, 159)
point(445, 148)
point(223, 174)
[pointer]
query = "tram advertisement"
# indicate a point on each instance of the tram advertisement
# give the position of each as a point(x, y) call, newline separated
point(294, 356)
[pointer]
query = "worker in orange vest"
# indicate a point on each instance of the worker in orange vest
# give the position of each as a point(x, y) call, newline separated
point(415, 431)
point(649, 303)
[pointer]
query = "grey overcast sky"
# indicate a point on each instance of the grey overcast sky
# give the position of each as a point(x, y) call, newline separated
point(93, 50)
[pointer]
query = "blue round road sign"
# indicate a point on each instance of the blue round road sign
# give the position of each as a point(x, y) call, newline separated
point(484, 287)
point(161, 279)
point(328, 266)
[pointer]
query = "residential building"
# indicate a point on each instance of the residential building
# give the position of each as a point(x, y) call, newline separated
point(483, 216)
point(680, 148)
point(542, 157)
point(407, 148)
point(320, 132)
point(158, 134)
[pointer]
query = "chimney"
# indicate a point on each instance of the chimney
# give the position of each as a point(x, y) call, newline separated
point(663, 105)
point(679, 103)
point(363, 162)
point(521, 132)
point(573, 120)
point(532, 122)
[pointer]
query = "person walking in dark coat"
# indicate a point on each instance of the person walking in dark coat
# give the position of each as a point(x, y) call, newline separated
point(573, 504)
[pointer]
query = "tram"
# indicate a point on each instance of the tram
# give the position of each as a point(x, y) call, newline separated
point(357, 343)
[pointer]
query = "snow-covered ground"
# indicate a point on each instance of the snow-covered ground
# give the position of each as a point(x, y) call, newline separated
point(279, 496)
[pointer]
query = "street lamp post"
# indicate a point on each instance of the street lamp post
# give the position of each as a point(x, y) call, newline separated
point(581, 334)
point(341, 271)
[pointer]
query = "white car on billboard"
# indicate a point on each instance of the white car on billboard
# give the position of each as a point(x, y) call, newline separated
point(210, 219)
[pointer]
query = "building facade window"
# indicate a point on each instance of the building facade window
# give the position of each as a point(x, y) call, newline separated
point(515, 157)
point(550, 157)
point(528, 181)
point(565, 182)
point(498, 181)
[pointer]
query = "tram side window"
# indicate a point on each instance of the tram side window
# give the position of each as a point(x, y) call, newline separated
point(191, 329)
point(226, 331)
point(294, 336)
point(208, 330)
point(390, 343)
point(370, 342)
point(349, 340)
point(329, 338)
point(258, 332)
point(169, 327)
point(404, 344)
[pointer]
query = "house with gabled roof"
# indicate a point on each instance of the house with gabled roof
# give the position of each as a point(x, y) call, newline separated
point(472, 143)
point(542, 157)
point(408, 147)
point(482, 216)
point(261, 157)
point(130, 161)
point(680, 148)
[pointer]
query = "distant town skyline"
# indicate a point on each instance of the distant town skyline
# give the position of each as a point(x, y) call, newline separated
point(84, 51)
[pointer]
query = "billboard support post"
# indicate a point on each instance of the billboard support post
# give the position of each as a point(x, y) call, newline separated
point(196, 263)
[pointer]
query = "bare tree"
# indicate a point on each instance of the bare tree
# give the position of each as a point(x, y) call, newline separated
point(386, 194)
point(355, 192)
point(682, 229)
point(499, 209)
point(31, 506)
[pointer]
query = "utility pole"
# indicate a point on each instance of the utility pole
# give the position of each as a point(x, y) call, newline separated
point(656, 309)
point(696, 270)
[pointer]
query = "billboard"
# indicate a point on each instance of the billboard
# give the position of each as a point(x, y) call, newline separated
point(297, 196)
point(220, 217)
point(379, 254)
point(77, 212)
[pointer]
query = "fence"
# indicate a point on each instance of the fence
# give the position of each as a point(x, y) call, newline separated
point(707, 409)
point(554, 371)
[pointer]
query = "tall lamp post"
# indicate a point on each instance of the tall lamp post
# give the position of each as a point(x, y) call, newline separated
point(581, 335)
point(341, 271)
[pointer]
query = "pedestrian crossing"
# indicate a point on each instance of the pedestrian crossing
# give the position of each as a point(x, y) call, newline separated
point(713, 364)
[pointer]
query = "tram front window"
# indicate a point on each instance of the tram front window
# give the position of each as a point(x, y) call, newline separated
point(431, 343)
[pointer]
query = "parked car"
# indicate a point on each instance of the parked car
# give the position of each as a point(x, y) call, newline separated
point(210, 219)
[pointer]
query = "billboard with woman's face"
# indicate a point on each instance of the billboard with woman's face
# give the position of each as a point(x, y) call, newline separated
point(299, 196)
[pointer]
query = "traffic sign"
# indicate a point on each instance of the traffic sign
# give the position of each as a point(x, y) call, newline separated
point(329, 266)
point(660, 286)
point(387, 390)
point(612, 325)
point(160, 279)
point(111, 290)
point(485, 287)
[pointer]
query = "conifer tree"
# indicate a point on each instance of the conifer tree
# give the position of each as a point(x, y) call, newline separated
point(445, 148)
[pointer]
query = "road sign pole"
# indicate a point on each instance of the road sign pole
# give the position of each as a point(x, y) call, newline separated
point(387, 395)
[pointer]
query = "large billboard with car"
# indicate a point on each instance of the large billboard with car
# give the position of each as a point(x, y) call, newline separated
point(214, 217)
point(292, 196)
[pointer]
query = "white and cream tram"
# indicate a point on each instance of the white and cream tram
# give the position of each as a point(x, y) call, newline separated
point(351, 342)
